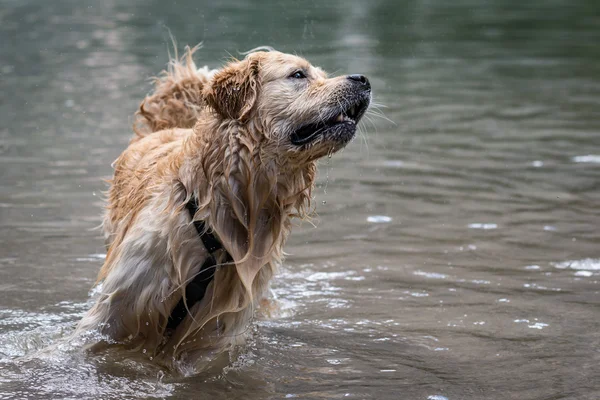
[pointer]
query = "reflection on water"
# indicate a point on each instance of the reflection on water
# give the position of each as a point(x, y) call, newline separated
point(456, 255)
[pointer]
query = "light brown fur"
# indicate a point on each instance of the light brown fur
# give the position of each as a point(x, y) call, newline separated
point(221, 136)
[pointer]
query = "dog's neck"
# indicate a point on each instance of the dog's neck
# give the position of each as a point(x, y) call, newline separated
point(247, 196)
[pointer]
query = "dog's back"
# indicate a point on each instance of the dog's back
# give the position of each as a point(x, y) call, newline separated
point(175, 102)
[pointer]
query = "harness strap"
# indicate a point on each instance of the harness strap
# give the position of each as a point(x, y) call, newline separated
point(195, 290)
point(209, 240)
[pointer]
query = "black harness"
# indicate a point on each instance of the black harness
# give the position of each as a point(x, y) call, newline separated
point(195, 290)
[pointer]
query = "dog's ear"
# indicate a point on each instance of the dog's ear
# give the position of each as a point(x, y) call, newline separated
point(233, 90)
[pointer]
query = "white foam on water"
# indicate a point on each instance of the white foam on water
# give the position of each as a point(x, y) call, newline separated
point(588, 264)
point(321, 276)
point(430, 275)
point(379, 219)
point(419, 294)
point(485, 226)
point(91, 257)
point(538, 325)
point(590, 158)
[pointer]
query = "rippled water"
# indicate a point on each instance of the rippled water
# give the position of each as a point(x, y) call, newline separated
point(456, 254)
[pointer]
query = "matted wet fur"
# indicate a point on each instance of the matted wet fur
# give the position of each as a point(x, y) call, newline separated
point(243, 140)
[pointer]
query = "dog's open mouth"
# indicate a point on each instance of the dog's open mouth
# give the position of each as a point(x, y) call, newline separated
point(347, 119)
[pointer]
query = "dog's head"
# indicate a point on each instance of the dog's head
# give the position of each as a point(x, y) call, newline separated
point(292, 103)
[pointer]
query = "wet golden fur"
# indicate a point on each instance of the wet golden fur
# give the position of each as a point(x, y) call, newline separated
point(218, 135)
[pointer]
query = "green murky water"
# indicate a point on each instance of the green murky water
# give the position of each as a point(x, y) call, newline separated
point(457, 251)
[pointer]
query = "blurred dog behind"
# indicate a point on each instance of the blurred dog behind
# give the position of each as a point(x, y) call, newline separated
point(201, 201)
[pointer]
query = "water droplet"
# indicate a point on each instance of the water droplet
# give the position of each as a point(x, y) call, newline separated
point(324, 202)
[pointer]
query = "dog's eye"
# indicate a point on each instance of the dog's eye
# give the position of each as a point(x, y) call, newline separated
point(298, 75)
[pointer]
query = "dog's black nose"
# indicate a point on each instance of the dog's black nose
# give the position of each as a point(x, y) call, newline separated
point(360, 79)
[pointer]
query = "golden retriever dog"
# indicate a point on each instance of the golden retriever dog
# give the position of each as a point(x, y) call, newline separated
point(201, 201)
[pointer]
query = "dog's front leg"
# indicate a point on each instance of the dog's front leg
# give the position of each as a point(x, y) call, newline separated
point(146, 272)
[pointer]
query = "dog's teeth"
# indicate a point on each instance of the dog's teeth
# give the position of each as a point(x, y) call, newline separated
point(352, 109)
point(340, 118)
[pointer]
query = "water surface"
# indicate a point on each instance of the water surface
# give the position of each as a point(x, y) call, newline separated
point(456, 254)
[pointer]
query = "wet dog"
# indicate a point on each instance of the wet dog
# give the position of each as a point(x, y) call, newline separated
point(201, 201)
